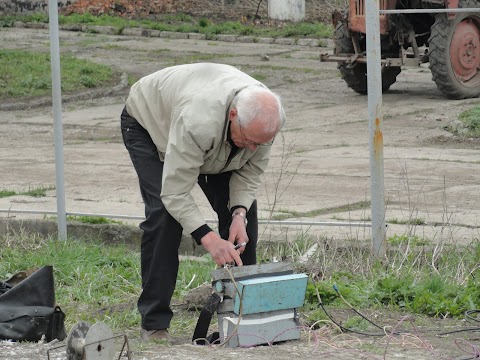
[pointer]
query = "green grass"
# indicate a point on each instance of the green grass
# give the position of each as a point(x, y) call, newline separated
point(414, 221)
point(471, 119)
point(413, 240)
point(92, 220)
point(40, 191)
point(356, 322)
point(7, 193)
point(25, 73)
point(259, 76)
point(101, 282)
point(94, 281)
point(88, 277)
point(419, 281)
point(185, 23)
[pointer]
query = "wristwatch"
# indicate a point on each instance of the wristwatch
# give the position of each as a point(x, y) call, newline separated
point(242, 215)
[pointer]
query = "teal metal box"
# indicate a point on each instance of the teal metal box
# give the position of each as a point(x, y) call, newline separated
point(259, 303)
point(270, 293)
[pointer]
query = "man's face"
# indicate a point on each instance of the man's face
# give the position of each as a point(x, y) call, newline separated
point(251, 136)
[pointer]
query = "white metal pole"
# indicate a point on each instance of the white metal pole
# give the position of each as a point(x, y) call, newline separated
point(375, 119)
point(57, 115)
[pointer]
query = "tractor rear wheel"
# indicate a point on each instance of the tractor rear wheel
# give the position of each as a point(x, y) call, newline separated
point(454, 52)
point(356, 76)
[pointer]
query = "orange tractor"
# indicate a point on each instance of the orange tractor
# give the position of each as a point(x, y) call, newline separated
point(449, 42)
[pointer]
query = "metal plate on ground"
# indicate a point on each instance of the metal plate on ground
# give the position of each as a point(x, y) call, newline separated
point(99, 344)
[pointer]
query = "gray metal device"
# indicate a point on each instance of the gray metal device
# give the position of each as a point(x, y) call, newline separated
point(86, 342)
point(92, 342)
point(258, 303)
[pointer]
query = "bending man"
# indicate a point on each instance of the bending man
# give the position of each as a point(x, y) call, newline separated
point(203, 123)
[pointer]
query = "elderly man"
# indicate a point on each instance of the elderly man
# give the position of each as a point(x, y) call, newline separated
point(204, 123)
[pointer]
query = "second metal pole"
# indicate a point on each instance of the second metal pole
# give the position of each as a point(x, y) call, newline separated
point(375, 119)
point(57, 115)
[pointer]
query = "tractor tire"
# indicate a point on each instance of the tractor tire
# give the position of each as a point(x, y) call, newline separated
point(356, 76)
point(454, 53)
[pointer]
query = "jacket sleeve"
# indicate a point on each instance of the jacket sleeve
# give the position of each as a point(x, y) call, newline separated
point(244, 182)
point(183, 159)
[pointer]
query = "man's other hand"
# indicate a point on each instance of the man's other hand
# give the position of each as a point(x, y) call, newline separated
point(238, 232)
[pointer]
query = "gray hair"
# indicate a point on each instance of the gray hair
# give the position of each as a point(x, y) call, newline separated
point(255, 102)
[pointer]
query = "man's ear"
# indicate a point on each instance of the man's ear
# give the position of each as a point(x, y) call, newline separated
point(232, 114)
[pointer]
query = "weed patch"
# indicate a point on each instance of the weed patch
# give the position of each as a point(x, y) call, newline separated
point(405, 240)
point(26, 73)
point(94, 281)
point(92, 220)
point(40, 191)
point(414, 221)
point(184, 23)
point(434, 281)
point(7, 193)
point(102, 282)
point(471, 119)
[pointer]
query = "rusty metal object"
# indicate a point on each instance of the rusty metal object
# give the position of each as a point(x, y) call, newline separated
point(357, 15)
point(465, 51)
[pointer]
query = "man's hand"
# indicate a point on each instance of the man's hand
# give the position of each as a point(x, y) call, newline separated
point(238, 229)
point(223, 252)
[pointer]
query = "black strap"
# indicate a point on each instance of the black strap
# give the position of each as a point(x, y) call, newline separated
point(56, 325)
point(203, 323)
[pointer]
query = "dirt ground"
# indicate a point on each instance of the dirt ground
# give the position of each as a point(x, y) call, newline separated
point(415, 339)
point(319, 170)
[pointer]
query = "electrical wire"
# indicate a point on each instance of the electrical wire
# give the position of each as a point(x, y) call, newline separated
point(240, 312)
point(458, 331)
point(347, 329)
point(355, 310)
point(320, 303)
point(468, 315)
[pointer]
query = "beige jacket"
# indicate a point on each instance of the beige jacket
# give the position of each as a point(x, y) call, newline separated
point(184, 109)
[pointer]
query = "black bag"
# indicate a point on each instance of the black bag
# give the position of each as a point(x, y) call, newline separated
point(28, 311)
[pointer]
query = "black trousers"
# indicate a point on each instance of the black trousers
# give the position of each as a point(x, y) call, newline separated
point(162, 233)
